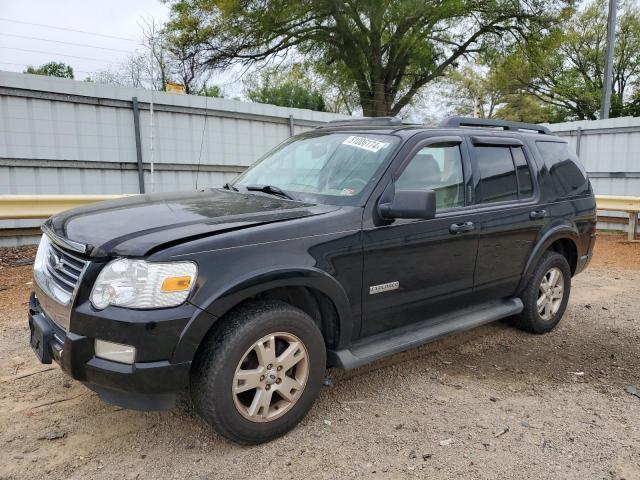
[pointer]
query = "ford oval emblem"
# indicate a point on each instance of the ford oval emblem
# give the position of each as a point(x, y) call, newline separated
point(58, 262)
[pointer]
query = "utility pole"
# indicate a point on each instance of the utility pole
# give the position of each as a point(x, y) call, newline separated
point(608, 71)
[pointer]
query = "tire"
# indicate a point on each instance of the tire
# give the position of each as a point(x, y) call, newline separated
point(531, 319)
point(232, 352)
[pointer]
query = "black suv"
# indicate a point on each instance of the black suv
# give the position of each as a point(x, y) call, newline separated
point(344, 244)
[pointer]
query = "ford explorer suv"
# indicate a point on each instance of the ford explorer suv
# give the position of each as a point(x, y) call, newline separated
point(344, 244)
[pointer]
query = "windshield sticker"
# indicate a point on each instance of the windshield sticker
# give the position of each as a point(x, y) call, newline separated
point(348, 192)
point(365, 143)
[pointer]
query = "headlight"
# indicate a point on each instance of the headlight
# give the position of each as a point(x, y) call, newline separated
point(139, 284)
point(41, 255)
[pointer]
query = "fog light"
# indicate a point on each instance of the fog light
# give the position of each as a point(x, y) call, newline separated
point(115, 352)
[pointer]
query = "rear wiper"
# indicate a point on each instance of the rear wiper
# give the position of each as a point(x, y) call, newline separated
point(228, 186)
point(270, 189)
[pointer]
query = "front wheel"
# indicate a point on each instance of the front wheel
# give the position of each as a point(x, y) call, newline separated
point(546, 295)
point(258, 374)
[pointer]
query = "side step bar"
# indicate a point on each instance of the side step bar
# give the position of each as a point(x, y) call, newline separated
point(387, 343)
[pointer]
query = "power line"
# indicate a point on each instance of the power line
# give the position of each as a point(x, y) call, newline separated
point(64, 43)
point(53, 54)
point(68, 29)
point(23, 65)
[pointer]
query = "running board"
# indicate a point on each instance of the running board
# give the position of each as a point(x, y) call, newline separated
point(410, 336)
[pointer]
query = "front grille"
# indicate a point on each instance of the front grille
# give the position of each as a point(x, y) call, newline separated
point(64, 268)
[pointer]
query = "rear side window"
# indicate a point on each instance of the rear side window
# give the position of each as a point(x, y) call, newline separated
point(504, 174)
point(498, 182)
point(567, 174)
point(525, 185)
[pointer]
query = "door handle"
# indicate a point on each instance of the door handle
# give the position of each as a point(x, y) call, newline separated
point(538, 214)
point(457, 228)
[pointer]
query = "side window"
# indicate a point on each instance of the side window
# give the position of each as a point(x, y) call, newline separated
point(567, 173)
point(437, 167)
point(525, 184)
point(498, 182)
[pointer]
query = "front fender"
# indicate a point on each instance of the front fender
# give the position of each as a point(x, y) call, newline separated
point(223, 299)
point(555, 233)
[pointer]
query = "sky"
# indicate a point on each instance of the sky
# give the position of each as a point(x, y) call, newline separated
point(112, 32)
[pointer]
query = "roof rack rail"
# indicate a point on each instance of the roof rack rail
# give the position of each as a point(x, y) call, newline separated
point(364, 122)
point(457, 122)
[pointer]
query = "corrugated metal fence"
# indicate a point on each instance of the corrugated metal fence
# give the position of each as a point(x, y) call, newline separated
point(61, 136)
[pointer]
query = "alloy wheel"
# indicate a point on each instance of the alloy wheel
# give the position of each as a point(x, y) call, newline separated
point(270, 377)
point(550, 293)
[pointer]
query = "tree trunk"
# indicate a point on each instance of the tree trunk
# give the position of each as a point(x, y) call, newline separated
point(373, 105)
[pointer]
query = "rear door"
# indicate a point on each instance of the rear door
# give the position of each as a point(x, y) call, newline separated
point(510, 217)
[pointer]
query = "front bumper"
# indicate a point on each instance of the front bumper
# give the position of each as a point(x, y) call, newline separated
point(143, 385)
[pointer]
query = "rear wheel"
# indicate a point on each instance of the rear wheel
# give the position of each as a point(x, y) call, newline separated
point(258, 374)
point(546, 295)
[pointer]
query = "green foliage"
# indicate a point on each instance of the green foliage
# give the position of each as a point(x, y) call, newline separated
point(564, 68)
point(527, 108)
point(288, 95)
point(211, 91)
point(286, 87)
point(472, 92)
point(52, 69)
point(384, 50)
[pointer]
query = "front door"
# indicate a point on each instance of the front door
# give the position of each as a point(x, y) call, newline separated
point(416, 269)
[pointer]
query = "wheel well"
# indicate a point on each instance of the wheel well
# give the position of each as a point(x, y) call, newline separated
point(567, 248)
point(314, 303)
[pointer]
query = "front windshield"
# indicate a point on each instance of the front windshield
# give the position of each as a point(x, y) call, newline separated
point(329, 167)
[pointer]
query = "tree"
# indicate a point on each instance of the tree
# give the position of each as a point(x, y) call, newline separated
point(166, 58)
point(386, 49)
point(483, 90)
point(527, 108)
point(565, 68)
point(52, 69)
point(185, 60)
point(472, 92)
point(211, 91)
point(286, 87)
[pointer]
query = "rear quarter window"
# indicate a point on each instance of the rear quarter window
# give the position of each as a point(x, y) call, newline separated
point(567, 174)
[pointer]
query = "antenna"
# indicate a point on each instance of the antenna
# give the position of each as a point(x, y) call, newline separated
point(151, 122)
point(204, 130)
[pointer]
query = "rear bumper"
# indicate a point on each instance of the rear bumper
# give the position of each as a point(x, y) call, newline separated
point(149, 385)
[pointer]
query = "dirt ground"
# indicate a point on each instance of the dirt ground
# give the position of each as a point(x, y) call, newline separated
point(492, 403)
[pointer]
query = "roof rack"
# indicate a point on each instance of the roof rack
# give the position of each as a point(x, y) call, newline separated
point(458, 122)
point(364, 122)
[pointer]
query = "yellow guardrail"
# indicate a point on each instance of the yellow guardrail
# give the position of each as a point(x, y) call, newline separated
point(618, 203)
point(630, 205)
point(16, 207)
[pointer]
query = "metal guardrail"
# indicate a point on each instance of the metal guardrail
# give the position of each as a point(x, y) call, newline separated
point(618, 203)
point(17, 207)
point(629, 205)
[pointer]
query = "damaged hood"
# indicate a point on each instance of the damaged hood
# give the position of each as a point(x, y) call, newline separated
point(135, 225)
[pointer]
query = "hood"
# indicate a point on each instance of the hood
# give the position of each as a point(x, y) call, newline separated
point(133, 226)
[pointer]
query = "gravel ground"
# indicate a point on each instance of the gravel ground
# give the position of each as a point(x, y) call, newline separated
point(490, 403)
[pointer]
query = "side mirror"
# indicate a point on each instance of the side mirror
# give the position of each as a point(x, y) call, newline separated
point(409, 204)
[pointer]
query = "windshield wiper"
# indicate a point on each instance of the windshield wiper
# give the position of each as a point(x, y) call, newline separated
point(228, 186)
point(270, 189)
